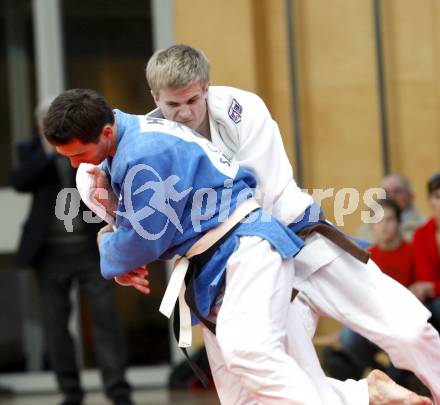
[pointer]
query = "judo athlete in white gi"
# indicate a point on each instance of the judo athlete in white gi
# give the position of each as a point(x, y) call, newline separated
point(330, 280)
point(179, 195)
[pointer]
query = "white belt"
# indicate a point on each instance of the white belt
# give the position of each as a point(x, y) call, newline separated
point(176, 286)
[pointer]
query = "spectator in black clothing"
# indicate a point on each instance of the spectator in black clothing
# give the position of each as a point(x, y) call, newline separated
point(61, 258)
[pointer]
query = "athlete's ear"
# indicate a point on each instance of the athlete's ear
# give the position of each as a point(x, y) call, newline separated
point(205, 89)
point(107, 131)
point(155, 97)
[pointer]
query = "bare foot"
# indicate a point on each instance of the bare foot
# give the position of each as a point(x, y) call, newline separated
point(383, 390)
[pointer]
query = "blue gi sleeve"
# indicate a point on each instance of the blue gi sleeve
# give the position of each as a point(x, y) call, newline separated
point(152, 204)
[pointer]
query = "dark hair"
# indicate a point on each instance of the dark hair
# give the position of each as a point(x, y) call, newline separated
point(434, 183)
point(77, 114)
point(392, 205)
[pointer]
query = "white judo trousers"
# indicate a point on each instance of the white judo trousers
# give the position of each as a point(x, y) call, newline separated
point(262, 353)
point(249, 355)
point(359, 296)
point(313, 388)
point(369, 302)
point(301, 327)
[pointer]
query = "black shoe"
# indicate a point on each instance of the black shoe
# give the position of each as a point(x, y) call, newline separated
point(122, 400)
point(71, 401)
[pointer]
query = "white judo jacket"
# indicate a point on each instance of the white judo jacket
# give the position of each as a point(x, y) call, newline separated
point(242, 126)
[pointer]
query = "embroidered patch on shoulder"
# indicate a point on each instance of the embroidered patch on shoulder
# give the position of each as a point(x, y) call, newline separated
point(235, 110)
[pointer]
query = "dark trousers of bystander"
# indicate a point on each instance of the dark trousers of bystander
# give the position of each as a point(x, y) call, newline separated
point(58, 267)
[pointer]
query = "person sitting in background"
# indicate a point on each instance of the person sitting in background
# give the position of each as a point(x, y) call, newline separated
point(392, 253)
point(398, 189)
point(427, 255)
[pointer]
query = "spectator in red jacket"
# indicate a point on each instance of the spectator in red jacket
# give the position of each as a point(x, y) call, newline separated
point(427, 255)
point(392, 253)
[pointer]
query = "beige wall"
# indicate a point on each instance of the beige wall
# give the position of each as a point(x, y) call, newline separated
point(412, 43)
point(338, 95)
point(224, 30)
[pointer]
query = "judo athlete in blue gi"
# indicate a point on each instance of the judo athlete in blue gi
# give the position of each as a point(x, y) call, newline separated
point(179, 195)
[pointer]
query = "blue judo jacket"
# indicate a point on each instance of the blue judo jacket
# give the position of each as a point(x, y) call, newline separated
point(174, 186)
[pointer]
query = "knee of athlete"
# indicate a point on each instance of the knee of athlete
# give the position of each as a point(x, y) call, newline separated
point(412, 334)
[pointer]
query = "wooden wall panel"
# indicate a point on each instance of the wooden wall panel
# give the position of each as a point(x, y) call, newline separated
point(338, 93)
point(273, 70)
point(224, 31)
point(412, 45)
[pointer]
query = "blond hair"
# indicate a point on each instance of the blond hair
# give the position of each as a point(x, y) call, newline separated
point(176, 67)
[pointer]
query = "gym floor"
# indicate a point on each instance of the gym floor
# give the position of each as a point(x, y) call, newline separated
point(140, 397)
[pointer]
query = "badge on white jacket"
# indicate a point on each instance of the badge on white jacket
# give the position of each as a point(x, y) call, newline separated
point(235, 110)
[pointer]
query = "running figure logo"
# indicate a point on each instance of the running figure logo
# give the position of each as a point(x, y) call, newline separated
point(164, 191)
